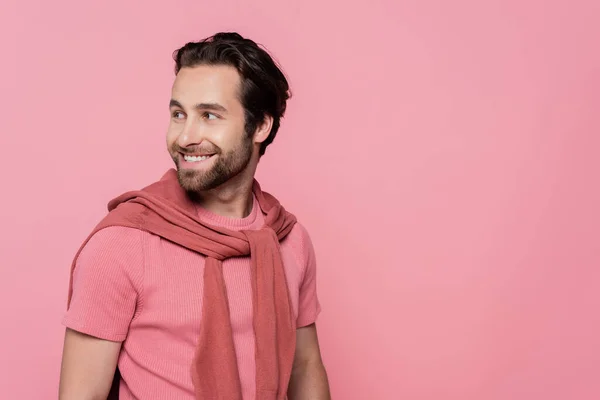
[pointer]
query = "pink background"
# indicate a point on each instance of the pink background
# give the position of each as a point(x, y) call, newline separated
point(443, 154)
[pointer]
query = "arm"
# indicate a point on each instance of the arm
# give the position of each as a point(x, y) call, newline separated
point(309, 378)
point(107, 285)
point(88, 367)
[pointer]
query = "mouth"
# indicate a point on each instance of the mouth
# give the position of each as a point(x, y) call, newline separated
point(195, 159)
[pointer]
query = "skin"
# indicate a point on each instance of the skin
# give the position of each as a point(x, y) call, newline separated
point(207, 118)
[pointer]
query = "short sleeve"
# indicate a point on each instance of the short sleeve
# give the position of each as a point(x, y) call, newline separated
point(308, 304)
point(107, 284)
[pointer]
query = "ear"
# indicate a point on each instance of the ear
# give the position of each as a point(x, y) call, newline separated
point(263, 130)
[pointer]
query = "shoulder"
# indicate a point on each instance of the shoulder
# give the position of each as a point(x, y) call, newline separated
point(300, 235)
point(116, 246)
point(300, 242)
point(112, 238)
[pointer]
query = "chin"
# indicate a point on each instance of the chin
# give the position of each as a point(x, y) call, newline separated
point(194, 181)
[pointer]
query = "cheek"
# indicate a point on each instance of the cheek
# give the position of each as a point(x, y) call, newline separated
point(232, 135)
point(172, 134)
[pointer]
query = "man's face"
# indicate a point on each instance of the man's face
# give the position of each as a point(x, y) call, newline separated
point(206, 136)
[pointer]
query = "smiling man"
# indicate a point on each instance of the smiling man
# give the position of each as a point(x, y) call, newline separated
point(201, 285)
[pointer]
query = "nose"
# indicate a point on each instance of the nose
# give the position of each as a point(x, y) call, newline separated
point(192, 134)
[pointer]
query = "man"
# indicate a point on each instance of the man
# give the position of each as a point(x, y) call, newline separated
point(201, 285)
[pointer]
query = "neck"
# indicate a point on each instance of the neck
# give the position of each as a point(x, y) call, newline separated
point(231, 199)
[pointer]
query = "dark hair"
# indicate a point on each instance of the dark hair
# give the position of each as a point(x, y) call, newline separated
point(264, 89)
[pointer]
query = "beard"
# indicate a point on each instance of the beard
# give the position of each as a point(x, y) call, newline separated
point(226, 166)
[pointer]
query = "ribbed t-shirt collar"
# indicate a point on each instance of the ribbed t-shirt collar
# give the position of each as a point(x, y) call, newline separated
point(253, 221)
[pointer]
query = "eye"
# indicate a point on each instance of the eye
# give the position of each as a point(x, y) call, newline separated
point(177, 114)
point(210, 116)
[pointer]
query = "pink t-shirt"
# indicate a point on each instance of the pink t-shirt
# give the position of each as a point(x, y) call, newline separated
point(134, 287)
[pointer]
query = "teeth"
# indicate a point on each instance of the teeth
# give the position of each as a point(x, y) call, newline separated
point(195, 158)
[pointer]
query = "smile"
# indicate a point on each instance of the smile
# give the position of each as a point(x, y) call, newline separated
point(189, 158)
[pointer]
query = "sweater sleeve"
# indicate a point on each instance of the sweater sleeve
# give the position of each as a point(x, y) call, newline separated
point(107, 284)
point(308, 305)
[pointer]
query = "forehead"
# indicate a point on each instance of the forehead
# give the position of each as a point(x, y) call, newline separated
point(207, 84)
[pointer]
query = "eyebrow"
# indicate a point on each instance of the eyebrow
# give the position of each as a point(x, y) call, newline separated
point(200, 106)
